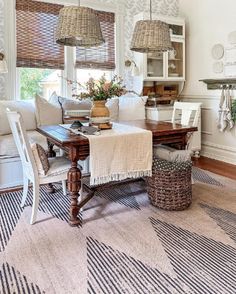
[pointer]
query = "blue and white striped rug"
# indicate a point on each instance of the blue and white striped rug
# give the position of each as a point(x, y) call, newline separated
point(124, 245)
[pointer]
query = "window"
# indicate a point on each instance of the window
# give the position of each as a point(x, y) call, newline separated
point(97, 61)
point(40, 81)
point(39, 59)
point(103, 56)
point(84, 74)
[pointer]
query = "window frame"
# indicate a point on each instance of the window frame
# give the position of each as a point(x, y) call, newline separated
point(12, 81)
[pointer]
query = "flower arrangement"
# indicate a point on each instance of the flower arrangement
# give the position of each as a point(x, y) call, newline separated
point(98, 90)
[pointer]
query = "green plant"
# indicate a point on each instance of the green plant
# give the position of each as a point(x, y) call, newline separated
point(234, 111)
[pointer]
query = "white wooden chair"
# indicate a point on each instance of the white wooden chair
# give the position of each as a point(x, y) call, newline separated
point(189, 116)
point(183, 113)
point(59, 166)
point(187, 110)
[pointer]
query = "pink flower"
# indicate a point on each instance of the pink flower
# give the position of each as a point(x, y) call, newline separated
point(106, 86)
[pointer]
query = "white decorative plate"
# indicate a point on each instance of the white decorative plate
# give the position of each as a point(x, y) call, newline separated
point(217, 51)
point(218, 67)
point(232, 37)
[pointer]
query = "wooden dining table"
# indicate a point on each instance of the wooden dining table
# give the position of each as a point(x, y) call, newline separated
point(77, 148)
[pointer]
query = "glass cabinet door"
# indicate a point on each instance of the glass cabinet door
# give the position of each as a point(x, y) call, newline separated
point(176, 30)
point(176, 61)
point(155, 65)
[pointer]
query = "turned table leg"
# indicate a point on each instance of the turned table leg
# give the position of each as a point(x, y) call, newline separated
point(74, 185)
point(50, 153)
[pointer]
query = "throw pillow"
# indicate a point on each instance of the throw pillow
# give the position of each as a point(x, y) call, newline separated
point(132, 107)
point(47, 113)
point(171, 154)
point(113, 106)
point(41, 159)
point(70, 104)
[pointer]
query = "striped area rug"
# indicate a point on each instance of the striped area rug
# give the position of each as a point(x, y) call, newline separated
point(124, 244)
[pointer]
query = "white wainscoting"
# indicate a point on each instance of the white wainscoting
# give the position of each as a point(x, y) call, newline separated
point(219, 152)
point(215, 144)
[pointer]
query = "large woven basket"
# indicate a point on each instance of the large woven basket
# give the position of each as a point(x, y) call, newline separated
point(170, 186)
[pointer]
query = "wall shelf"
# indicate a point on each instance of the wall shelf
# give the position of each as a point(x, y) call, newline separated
point(216, 84)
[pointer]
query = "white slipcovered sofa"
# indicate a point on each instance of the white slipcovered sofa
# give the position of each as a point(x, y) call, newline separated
point(41, 112)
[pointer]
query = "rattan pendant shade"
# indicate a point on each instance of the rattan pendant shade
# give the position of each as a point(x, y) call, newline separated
point(79, 26)
point(151, 36)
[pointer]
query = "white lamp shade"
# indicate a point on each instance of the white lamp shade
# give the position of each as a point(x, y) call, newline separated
point(3, 66)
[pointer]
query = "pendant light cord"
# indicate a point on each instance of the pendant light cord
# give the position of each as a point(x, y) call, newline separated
point(79, 3)
point(150, 9)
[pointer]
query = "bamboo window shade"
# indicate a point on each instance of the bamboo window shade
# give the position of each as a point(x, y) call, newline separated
point(101, 57)
point(35, 35)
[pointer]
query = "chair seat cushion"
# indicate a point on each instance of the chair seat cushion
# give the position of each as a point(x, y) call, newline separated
point(58, 166)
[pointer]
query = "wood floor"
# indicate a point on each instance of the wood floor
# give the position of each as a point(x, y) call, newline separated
point(212, 165)
point(217, 167)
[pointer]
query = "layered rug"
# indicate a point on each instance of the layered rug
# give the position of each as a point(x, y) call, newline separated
point(124, 244)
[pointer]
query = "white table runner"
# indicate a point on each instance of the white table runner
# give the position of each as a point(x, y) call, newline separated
point(120, 153)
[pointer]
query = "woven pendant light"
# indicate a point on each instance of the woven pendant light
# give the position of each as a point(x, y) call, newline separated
point(151, 36)
point(79, 26)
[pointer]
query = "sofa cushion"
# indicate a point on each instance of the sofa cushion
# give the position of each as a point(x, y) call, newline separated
point(132, 107)
point(47, 113)
point(25, 108)
point(8, 146)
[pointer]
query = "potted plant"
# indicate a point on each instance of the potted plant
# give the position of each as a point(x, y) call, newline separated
point(99, 91)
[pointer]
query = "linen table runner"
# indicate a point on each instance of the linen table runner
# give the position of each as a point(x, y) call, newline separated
point(120, 153)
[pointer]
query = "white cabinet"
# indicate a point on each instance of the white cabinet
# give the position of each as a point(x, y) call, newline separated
point(167, 66)
point(164, 113)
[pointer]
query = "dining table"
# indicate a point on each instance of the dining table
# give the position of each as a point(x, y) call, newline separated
point(77, 148)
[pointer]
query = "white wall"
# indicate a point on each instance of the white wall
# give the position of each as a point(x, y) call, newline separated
point(208, 22)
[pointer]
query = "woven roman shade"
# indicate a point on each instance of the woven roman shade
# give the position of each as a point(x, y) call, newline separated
point(103, 56)
point(35, 35)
